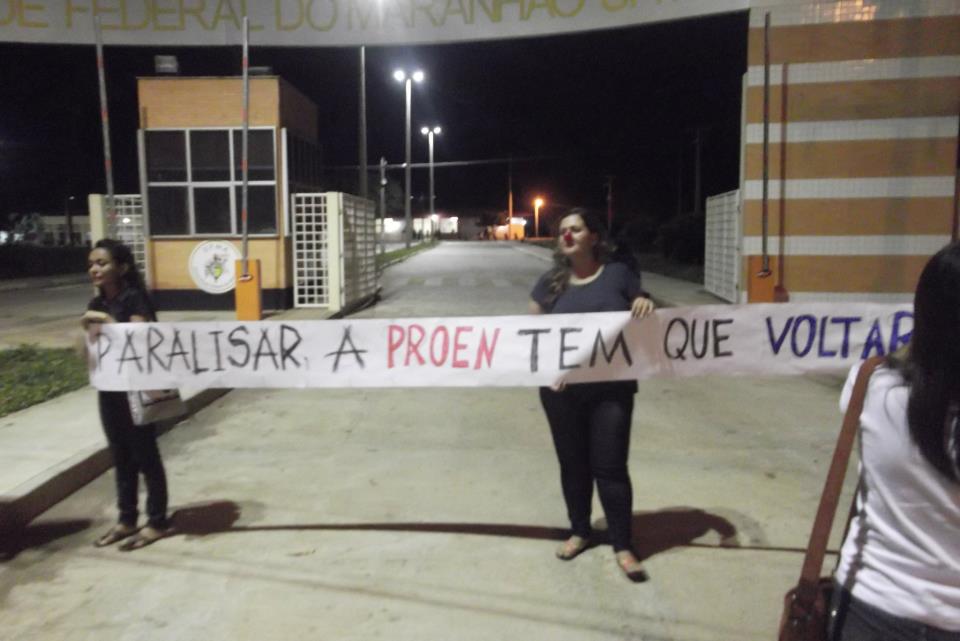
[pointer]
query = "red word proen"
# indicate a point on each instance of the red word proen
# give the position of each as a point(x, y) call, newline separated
point(456, 346)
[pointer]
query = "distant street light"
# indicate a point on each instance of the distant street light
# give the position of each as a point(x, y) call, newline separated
point(407, 79)
point(537, 204)
point(429, 133)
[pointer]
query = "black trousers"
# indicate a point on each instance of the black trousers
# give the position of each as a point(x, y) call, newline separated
point(590, 424)
point(854, 620)
point(134, 449)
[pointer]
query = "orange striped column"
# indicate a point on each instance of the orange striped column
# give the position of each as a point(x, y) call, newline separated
point(862, 159)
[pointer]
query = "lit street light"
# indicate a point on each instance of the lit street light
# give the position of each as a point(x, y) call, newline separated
point(537, 204)
point(407, 79)
point(429, 133)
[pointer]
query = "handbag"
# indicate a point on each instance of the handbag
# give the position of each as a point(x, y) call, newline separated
point(150, 406)
point(806, 606)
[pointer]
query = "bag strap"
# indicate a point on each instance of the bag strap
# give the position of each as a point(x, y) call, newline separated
point(819, 536)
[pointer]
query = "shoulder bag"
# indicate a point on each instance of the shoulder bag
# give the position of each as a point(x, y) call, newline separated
point(150, 406)
point(805, 607)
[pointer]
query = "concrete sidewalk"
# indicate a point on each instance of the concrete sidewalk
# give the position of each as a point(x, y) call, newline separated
point(50, 450)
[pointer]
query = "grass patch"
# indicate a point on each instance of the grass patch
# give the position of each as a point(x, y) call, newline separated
point(401, 254)
point(31, 375)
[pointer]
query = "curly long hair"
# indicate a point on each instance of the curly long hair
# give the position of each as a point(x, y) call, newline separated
point(559, 276)
point(931, 363)
point(123, 255)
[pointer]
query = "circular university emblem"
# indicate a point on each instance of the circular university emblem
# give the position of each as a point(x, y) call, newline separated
point(212, 266)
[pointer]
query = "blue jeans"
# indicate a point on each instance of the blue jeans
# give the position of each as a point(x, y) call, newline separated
point(854, 620)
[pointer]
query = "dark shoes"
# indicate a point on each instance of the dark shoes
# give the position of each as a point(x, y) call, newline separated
point(627, 561)
point(631, 566)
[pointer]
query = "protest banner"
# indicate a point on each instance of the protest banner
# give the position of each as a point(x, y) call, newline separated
point(496, 351)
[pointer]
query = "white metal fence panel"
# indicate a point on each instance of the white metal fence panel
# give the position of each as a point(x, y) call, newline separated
point(311, 273)
point(127, 227)
point(721, 260)
point(334, 245)
point(359, 248)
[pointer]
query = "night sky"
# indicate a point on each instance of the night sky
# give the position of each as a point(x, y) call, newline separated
point(621, 102)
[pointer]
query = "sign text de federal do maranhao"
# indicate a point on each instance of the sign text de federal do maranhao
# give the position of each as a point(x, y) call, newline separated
point(497, 351)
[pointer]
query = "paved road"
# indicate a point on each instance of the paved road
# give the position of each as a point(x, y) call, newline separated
point(460, 279)
point(432, 514)
point(52, 312)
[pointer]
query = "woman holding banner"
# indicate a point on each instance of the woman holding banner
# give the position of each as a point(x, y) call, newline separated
point(590, 422)
point(899, 571)
point(122, 298)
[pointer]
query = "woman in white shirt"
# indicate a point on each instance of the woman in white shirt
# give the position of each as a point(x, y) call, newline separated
point(899, 572)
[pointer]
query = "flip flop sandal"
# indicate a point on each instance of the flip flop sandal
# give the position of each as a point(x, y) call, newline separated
point(633, 569)
point(569, 550)
point(146, 536)
point(114, 534)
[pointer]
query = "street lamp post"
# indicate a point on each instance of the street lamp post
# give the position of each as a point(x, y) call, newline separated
point(537, 204)
point(430, 133)
point(407, 79)
point(68, 218)
point(383, 200)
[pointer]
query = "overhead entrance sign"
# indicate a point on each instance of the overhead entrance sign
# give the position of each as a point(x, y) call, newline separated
point(324, 23)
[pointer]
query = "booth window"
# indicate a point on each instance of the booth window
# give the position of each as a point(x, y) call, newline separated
point(209, 156)
point(259, 153)
point(167, 159)
point(194, 181)
point(260, 218)
point(214, 202)
point(173, 211)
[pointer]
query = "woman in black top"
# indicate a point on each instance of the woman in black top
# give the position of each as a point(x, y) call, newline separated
point(590, 422)
point(122, 298)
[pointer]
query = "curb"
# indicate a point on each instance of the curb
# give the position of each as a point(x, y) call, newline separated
point(381, 268)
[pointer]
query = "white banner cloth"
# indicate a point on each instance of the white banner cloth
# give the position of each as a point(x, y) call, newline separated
point(326, 23)
point(497, 351)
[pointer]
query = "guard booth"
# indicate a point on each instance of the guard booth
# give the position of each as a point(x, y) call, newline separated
point(189, 144)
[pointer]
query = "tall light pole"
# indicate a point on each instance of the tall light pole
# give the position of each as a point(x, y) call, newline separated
point(537, 204)
point(430, 133)
point(111, 229)
point(68, 218)
point(407, 79)
point(383, 200)
point(362, 134)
